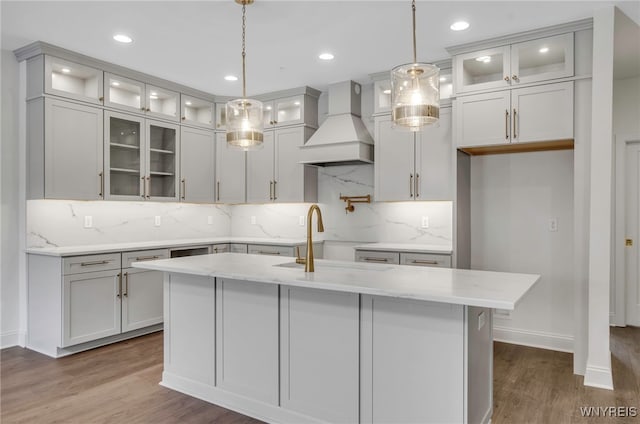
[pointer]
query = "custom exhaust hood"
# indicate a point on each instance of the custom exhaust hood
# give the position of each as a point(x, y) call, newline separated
point(342, 139)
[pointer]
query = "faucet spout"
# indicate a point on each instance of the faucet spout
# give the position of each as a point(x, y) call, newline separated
point(308, 266)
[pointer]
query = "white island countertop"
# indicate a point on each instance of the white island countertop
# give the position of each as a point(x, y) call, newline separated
point(158, 244)
point(454, 286)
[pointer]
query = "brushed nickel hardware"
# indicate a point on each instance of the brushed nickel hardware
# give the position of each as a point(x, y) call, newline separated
point(506, 78)
point(144, 188)
point(270, 190)
point(299, 260)
point(410, 185)
point(275, 122)
point(148, 190)
point(147, 258)
point(515, 78)
point(119, 288)
point(264, 252)
point(515, 135)
point(628, 242)
point(354, 199)
point(101, 98)
point(376, 259)
point(274, 189)
point(506, 124)
point(218, 191)
point(417, 185)
point(184, 188)
point(104, 262)
point(148, 110)
point(424, 262)
point(126, 284)
point(184, 117)
point(101, 175)
point(308, 265)
point(142, 108)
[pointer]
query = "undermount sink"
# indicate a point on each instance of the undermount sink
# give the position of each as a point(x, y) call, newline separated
point(334, 265)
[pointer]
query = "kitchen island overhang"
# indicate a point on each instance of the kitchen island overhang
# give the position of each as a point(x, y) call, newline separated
point(351, 342)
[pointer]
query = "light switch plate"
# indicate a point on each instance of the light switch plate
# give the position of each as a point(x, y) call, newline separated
point(425, 222)
point(88, 221)
point(301, 220)
point(253, 220)
point(157, 221)
point(210, 220)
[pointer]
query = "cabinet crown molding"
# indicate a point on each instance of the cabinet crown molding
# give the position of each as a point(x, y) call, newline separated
point(583, 24)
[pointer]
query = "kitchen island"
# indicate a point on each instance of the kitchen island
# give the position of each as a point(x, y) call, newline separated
point(350, 342)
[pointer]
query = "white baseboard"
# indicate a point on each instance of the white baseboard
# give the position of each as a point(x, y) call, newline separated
point(12, 338)
point(540, 339)
point(600, 377)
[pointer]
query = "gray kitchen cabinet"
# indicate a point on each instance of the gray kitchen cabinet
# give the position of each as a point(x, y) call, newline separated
point(222, 248)
point(65, 150)
point(64, 78)
point(141, 158)
point(274, 173)
point(136, 96)
point(230, 172)
point(542, 113)
point(413, 166)
point(197, 165)
point(196, 112)
point(403, 258)
point(238, 248)
point(292, 110)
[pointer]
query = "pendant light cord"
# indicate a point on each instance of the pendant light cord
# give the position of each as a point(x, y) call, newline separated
point(413, 9)
point(244, 26)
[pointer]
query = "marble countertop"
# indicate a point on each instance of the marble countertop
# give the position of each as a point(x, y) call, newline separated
point(445, 285)
point(159, 244)
point(407, 247)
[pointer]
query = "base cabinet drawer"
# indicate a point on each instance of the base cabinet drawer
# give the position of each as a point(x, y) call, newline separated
point(90, 263)
point(372, 256)
point(425, 259)
point(258, 249)
point(238, 248)
point(143, 255)
point(221, 248)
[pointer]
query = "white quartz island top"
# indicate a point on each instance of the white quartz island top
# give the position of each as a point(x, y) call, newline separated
point(454, 286)
point(157, 244)
point(407, 247)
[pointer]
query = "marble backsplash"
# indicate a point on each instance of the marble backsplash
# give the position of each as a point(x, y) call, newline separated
point(61, 222)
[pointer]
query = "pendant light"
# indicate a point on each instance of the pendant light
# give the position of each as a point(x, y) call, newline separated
point(415, 91)
point(244, 116)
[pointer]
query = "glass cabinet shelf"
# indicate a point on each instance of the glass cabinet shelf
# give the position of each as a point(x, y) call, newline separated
point(136, 171)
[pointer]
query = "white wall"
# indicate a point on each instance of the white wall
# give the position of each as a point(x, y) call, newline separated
point(513, 197)
point(9, 243)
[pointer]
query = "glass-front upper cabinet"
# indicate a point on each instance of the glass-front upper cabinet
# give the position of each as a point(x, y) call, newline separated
point(124, 156)
point(482, 70)
point(221, 116)
point(446, 85)
point(162, 163)
point(282, 112)
point(542, 59)
point(135, 96)
point(72, 80)
point(196, 111)
point(382, 96)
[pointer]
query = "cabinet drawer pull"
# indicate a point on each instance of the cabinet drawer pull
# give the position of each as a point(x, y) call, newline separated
point(262, 252)
point(424, 262)
point(147, 258)
point(515, 134)
point(506, 124)
point(417, 185)
point(410, 185)
point(95, 263)
point(376, 259)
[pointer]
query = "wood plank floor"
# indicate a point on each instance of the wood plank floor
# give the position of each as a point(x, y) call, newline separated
point(119, 384)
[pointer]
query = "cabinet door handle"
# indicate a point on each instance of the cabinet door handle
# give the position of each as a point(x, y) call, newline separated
point(147, 258)
point(376, 259)
point(101, 98)
point(184, 117)
point(270, 190)
point(275, 188)
point(515, 117)
point(144, 188)
point(218, 191)
point(148, 190)
point(101, 194)
point(424, 262)
point(94, 263)
point(126, 284)
point(184, 188)
point(506, 124)
point(515, 78)
point(410, 185)
point(148, 110)
point(263, 252)
point(506, 78)
point(417, 185)
point(119, 288)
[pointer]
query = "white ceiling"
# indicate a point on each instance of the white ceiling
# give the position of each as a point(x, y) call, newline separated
point(198, 43)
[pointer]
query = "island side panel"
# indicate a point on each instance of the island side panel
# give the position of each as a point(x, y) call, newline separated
point(479, 353)
point(320, 353)
point(247, 338)
point(412, 367)
point(189, 317)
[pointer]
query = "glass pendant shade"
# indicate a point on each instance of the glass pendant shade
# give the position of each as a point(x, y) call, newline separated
point(415, 96)
point(244, 124)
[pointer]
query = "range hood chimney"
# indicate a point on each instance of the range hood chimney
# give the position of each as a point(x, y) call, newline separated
point(342, 139)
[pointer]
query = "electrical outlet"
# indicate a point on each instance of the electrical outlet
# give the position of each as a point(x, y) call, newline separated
point(301, 220)
point(253, 220)
point(425, 222)
point(481, 320)
point(157, 221)
point(553, 224)
point(210, 220)
point(88, 221)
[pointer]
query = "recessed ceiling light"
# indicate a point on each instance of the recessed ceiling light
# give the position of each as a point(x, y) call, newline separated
point(231, 78)
point(386, 91)
point(188, 103)
point(459, 26)
point(65, 70)
point(544, 50)
point(122, 38)
point(115, 83)
point(326, 56)
point(485, 59)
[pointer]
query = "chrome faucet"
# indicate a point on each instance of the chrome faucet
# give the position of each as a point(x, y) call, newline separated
point(308, 261)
